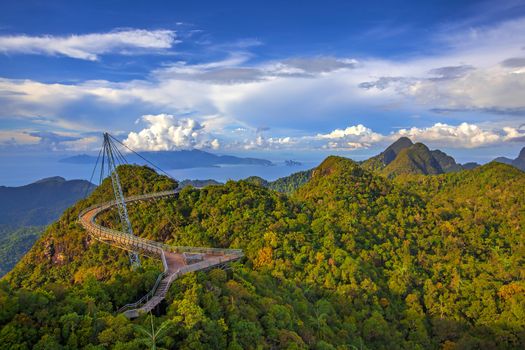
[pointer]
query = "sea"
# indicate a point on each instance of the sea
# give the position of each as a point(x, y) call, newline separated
point(16, 170)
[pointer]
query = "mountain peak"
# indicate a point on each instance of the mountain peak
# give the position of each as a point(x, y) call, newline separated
point(402, 142)
point(50, 179)
point(388, 155)
point(393, 150)
point(406, 157)
point(330, 165)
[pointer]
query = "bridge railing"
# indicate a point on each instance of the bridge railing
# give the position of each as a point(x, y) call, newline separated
point(145, 298)
point(135, 198)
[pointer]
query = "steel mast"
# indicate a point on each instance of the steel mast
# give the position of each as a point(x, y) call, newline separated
point(109, 151)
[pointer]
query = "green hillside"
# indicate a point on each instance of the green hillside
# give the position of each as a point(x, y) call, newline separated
point(350, 260)
point(405, 157)
point(416, 159)
point(287, 184)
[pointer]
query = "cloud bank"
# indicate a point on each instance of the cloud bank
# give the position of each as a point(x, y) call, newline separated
point(468, 94)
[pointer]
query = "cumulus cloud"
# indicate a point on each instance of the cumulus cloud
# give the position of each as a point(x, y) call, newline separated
point(166, 133)
point(351, 131)
point(463, 135)
point(88, 46)
point(350, 138)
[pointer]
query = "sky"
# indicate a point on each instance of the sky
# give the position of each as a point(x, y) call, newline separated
point(275, 79)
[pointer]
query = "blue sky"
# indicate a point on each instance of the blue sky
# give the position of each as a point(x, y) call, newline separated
point(268, 77)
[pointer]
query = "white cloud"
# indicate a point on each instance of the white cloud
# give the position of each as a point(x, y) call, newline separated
point(463, 135)
point(351, 131)
point(353, 137)
point(272, 143)
point(88, 46)
point(165, 133)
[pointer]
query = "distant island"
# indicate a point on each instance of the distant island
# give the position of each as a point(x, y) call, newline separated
point(292, 163)
point(183, 159)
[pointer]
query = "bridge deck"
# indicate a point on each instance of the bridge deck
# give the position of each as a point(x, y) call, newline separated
point(171, 257)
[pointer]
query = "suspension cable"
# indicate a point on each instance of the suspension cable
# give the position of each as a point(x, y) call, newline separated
point(150, 163)
point(92, 174)
point(136, 176)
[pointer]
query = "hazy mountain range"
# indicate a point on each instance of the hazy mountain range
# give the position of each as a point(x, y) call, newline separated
point(177, 159)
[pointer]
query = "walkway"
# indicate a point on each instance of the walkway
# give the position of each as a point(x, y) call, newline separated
point(172, 257)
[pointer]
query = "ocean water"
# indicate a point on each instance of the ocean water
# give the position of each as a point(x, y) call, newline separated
point(22, 170)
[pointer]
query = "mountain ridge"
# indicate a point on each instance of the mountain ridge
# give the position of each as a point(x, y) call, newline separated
point(39, 202)
point(403, 156)
point(181, 159)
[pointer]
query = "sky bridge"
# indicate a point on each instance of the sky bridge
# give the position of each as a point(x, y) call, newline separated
point(176, 260)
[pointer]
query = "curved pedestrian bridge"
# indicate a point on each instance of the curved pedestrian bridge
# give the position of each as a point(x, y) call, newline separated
point(176, 260)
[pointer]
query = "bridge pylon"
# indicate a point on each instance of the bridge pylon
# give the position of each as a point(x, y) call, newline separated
point(109, 153)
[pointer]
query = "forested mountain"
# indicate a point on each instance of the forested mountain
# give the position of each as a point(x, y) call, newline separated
point(519, 162)
point(349, 260)
point(388, 155)
point(25, 210)
point(405, 157)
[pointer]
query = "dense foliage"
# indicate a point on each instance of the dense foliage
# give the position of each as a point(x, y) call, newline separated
point(15, 243)
point(292, 182)
point(287, 184)
point(349, 260)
